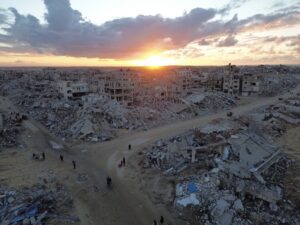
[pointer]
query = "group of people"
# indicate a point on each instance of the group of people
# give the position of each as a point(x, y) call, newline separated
point(73, 161)
point(122, 162)
point(43, 157)
point(161, 221)
point(38, 156)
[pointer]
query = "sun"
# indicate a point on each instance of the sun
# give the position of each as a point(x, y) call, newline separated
point(155, 61)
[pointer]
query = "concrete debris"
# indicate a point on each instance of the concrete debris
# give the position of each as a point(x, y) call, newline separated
point(208, 101)
point(10, 127)
point(272, 85)
point(227, 174)
point(276, 118)
point(34, 205)
point(185, 201)
point(96, 107)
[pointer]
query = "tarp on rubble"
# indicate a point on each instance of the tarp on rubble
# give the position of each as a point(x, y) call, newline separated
point(192, 188)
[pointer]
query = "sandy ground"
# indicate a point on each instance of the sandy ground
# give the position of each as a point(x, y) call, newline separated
point(130, 200)
point(291, 145)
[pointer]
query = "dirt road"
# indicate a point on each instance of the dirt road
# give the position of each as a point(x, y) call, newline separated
point(125, 203)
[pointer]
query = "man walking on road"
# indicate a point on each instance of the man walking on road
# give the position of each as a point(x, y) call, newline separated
point(162, 220)
point(129, 147)
point(74, 164)
point(123, 161)
point(61, 158)
point(43, 155)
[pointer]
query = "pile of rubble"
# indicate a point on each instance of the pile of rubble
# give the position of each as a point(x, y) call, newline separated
point(278, 117)
point(273, 85)
point(10, 127)
point(35, 205)
point(226, 173)
point(215, 197)
point(99, 120)
point(209, 102)
point(96, 117)
point(177, 153)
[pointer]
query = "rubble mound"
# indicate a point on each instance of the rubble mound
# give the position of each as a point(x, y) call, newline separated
point(274, 85)
point(35, 205)
point(226, 173)
point(10, 127)
point(278, 117)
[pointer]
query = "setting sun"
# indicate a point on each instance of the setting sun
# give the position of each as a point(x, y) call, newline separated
point(155, 61)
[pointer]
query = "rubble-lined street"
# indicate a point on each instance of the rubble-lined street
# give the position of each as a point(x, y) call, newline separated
point(162, 112)
point(214, 168)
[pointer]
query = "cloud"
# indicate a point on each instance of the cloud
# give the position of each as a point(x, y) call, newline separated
point(227, 42)
point(3, 16)
point(61, 16)
point(204, 42)
point(233, 4)
point(66, 32)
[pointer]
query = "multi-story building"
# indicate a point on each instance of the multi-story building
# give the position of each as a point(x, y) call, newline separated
point(183, 79)
point(250, 84)
point(215, 82)
point(232, 81)
point(232, 84)
point(73, 89)
point(121, 85)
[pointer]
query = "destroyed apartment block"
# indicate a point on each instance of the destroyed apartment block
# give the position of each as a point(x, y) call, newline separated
point(233, 188)
point(252, 155)
point(72, 89)
point(277, 118)
point(116, 99)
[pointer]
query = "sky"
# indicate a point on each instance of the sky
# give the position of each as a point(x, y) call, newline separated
point(156, 32)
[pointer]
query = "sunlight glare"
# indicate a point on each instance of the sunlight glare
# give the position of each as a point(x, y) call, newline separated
point(155, 61)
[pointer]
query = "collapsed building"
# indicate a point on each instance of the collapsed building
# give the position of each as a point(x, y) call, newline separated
point(235, 81)
point(275, 119)
point(222, 175)
point(69, 100)
point(121, 86)
point(73, 90)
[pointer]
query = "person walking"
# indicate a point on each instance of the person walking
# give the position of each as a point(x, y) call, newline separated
point(129, 147)
point(162, 220)
point(123, 161)
point(61, 158)
point(155, 222)
point(43, 156)
point(108, 181)
point(74, 164)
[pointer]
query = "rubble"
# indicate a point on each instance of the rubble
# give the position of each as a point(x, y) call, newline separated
point(226, 174)
point(35, 205)
point(273, 85)
point(275, 119)
point(10, 127)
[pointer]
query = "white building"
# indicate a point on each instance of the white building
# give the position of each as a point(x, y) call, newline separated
point(73, 89)
point(232, 84)
point(250, 84)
